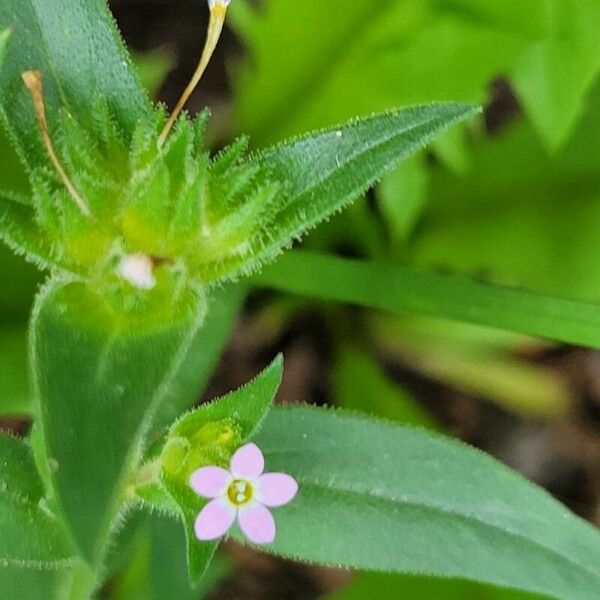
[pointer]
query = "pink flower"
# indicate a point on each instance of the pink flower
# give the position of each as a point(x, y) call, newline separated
point(242, 491)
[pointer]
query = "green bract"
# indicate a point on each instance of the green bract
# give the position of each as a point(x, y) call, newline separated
point(175, 216)
point(209, 436)
point(198, 220)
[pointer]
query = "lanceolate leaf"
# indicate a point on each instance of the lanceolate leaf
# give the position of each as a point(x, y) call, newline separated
point(378, 496)
point(100, 374)
point(18, 476)
point(328, 170)
point(398, 289)
point(77, 48)
point(30, 535)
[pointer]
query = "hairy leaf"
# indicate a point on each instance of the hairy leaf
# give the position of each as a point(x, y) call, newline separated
point(328, 170)
point(19, 232)
point(379, 496)
point(31, 536)
point(77, 48)
point(100, 375)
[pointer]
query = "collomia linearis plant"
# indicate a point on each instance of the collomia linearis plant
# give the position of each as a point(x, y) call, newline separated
point(148, 242)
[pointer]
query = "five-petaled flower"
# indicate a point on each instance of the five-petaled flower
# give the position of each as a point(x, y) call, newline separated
point(242, 491)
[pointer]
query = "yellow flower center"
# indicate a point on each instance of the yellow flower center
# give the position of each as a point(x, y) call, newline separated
point(239, 492)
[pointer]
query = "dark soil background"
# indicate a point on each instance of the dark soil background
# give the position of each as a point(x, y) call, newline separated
point(562, 455)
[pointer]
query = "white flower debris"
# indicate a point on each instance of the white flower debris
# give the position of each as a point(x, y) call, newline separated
point(138, 270)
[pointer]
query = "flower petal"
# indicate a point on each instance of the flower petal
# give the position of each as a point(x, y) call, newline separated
point(276, 489)
point(248, 462)
point(257, 523)
point(214, 520)
point(210, 482)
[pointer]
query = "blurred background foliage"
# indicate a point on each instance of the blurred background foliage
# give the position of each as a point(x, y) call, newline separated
point(490, 201)
point(513, 198)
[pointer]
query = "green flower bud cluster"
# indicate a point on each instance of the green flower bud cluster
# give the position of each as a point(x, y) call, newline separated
point(212, 444)
point(188, 218)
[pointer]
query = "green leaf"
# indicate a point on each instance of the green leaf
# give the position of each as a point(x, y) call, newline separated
point(169, 577)
point(392, 587)
point(30, 584)
point(382, 497)
point(19, 232)
point(100, 374)
point(31, 538)
point(13, 181)
point(329, 169)
point(517, 202)
point(78, 49)
point(398, 289)
point(209, 436)
point(554, 75)
point(30, 534)
point(18, 476)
